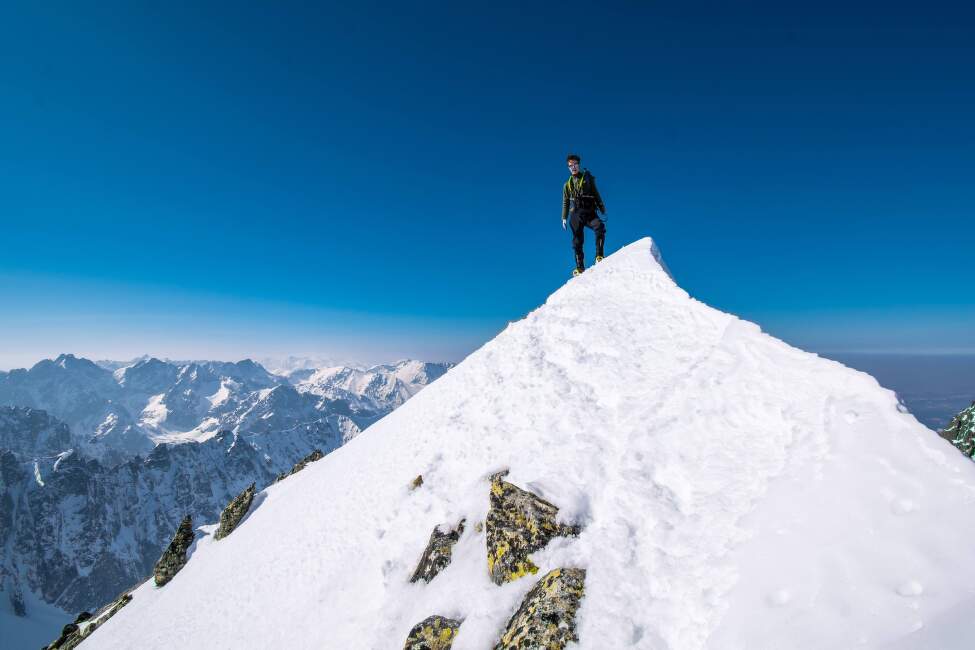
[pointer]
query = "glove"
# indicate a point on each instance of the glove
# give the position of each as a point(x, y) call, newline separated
point(563, 224)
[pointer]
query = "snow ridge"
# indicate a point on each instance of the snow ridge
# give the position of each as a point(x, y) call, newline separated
point(734, 492)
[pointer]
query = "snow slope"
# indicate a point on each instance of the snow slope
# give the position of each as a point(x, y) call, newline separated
point(735, 492)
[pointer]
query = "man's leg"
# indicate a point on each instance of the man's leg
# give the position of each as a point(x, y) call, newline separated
point(578, 237)
point(599, 228)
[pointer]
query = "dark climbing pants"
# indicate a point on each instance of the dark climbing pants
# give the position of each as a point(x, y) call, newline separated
point(579, 221)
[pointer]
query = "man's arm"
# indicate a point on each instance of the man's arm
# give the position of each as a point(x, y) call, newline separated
point(599, 200)
point(565, 201)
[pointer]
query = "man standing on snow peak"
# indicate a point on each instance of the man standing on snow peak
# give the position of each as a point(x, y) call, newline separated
point(580, 200)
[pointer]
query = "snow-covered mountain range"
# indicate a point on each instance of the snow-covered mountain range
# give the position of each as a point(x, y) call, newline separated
point(118, 414)
point(626, 467)
point(97, 465)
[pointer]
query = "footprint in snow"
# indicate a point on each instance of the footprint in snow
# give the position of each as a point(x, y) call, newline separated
point(910, 588)
point(902, 506)
point(779, 598)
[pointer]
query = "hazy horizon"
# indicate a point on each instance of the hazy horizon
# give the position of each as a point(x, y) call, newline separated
point(934, 387)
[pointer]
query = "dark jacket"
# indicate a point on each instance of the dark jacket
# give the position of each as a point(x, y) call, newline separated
point(580, 191)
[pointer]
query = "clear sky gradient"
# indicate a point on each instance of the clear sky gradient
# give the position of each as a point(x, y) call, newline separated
point(375, 181)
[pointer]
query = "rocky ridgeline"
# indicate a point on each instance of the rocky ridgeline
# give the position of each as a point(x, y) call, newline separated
point(961, 431)
point(300, 465)
point(518, 523)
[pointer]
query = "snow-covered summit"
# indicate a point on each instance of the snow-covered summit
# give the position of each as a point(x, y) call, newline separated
point(732, 492)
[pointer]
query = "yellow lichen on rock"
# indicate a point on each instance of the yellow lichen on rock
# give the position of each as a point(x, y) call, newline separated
point(437, 554)
point(433, 633)
point(518, 523)
point(546, 617)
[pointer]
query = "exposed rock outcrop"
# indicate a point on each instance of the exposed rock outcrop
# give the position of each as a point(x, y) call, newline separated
point(300, 465)
point(518, 523)
point(961, 431)
point(174, 557)
point(546, 617)
point(433, 633)
point(417, 482)
point(436, 556)
point(235, 512)
point(74, 633)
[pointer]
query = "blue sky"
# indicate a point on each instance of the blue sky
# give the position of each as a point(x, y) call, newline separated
point(381, 181)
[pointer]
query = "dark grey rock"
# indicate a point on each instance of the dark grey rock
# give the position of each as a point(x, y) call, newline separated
point(961, 431)
point(433, 633)
point(31, 432)
point(174, 557)
point(417, 482)
point(74, 633)
point(235, 512)
point(518, 523)
point(300, 465)
point(436, 556)
point(546, 618)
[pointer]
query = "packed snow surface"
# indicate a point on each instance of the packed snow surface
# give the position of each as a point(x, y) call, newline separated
point(735, 492)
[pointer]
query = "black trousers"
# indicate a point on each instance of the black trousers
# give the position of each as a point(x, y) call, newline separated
point(578, 221)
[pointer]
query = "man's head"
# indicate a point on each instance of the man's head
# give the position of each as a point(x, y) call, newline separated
point(573, 161)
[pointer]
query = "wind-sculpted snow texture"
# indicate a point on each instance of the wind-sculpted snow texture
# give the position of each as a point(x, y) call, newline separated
point(731, 492)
